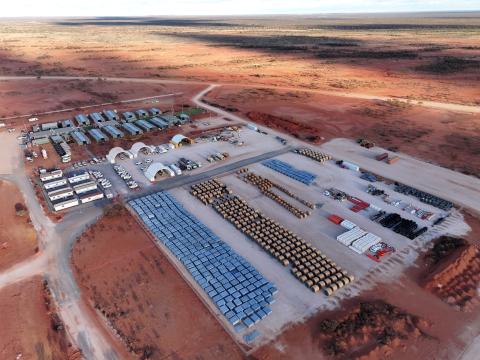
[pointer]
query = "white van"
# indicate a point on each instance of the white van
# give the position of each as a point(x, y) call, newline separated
point(175, 169)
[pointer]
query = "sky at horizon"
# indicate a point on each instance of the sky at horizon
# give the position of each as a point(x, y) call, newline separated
point(26, 8)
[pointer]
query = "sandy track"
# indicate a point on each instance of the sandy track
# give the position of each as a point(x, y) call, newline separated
point(353, 95)
point(53, 262)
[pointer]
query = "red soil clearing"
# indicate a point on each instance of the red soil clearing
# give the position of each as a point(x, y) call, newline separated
point(18, 239)
point(147, 303)
point(446, 138)
point(27, 324)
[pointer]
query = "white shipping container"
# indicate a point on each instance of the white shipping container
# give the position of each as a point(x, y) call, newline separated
point(2, 125)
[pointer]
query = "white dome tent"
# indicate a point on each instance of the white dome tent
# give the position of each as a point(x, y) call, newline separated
point(113, 153)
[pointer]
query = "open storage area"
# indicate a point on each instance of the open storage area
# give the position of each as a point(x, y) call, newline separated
point(238, 290)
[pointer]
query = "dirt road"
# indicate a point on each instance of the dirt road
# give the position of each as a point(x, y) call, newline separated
point(419, 102)
point(53, 262)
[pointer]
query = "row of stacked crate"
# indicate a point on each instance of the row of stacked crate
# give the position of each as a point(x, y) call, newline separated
point(209, 190)
point(307, 263)
point(268, 184)
point(284, 168)
point(265, 186)
point(312, 154)
point(239, 291)
point(357, 239)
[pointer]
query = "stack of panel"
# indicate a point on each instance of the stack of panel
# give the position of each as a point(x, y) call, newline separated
point(365, 242)
point(347, 238)
point(288, 170)
point(239, 291)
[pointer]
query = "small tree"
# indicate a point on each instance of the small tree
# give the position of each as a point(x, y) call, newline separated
point(20, 209)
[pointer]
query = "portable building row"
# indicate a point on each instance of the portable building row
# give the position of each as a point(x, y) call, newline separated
point(91, 196)
point(85, 187)
point(132, 129)
point(98, 135)
point(76, 178)
point(60, 193)
point(113, 131)
point(107, 116)
point(50, 175)
point(54, 183)
point(145, 125)
point(80, 138)
point(65, 204)
point(159, 122)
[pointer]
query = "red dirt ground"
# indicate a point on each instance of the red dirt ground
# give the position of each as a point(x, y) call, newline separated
point(27, 330)
point(445, 138)
point(188, 50)
point(127, 279)
point(36, 96)
point(453, 272)
point(18, 239)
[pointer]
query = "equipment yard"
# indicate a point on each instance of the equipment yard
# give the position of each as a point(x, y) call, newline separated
point(325, 220)
point(295, 301)
point(254, 188)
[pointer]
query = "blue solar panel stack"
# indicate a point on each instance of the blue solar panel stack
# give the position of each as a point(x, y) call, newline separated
point(240, 292)
point(288, 170)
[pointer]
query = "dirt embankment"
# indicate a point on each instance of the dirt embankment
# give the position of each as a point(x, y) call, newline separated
point(31, 328)
point(454, 275)
point(147, 304)
point(294, 128)
point(18, 239)
point(372, 330)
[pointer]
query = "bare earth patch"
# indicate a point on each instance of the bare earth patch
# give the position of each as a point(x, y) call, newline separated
point(18, 239)
point(138, 292)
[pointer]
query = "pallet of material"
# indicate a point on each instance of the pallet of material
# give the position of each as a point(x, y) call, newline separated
point(350, 236)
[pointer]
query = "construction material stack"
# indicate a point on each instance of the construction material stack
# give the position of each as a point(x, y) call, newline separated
point(312, 154)
point(306, 262)
point(286, 169)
